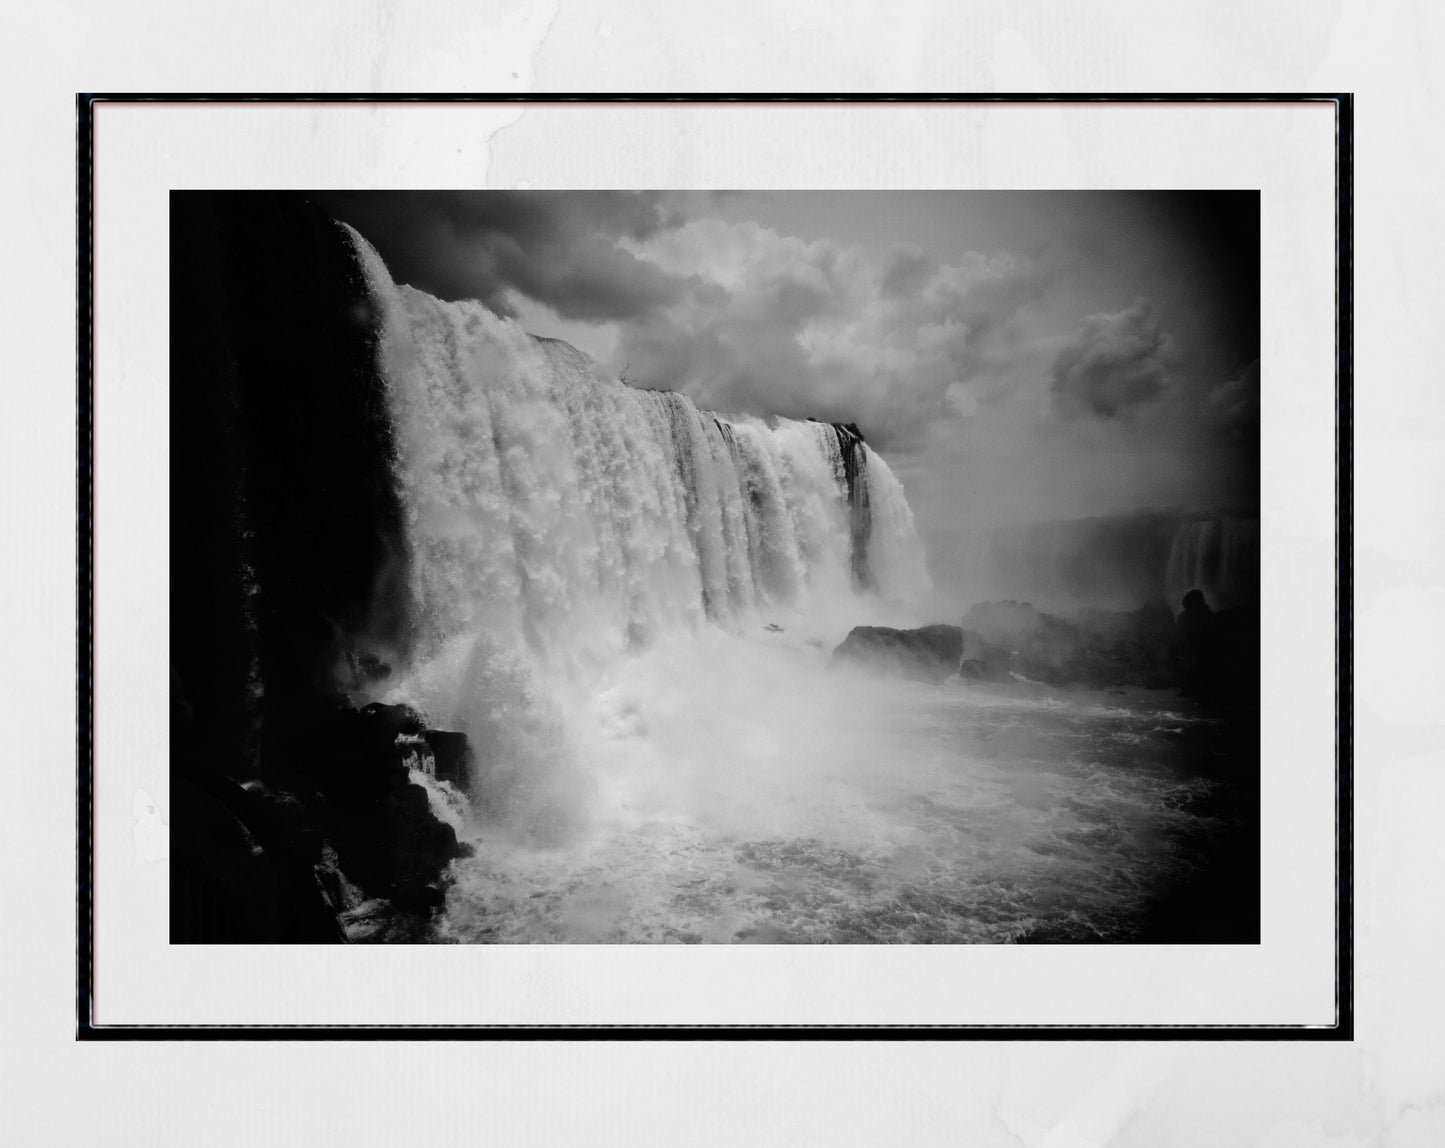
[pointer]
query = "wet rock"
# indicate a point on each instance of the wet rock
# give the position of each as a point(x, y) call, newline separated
point(1003, 641)
point(363, 801)
point(291, 573)
point(243, 871)
point(1219, 654)
point(452, 756)
point(394, 719)
point(979, 670)
point(930, 653)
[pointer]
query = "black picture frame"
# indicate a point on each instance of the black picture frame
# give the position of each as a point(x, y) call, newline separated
point(88, 1030)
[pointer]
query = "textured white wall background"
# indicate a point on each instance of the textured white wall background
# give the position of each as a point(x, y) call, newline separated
point(1386, 1088)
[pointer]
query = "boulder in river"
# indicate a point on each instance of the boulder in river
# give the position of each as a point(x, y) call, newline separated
point(929, 653)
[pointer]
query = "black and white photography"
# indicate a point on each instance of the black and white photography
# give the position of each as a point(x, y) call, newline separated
point(733, 567)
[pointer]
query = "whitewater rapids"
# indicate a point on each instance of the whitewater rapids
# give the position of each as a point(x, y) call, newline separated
point(818, 806)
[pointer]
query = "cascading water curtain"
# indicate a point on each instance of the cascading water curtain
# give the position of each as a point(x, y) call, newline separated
point(559, 518)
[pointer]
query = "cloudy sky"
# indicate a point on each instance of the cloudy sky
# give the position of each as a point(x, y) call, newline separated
point(1014, 355)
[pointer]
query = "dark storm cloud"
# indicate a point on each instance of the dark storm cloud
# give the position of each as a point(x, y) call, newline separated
point(1112, 365)
point(971, 356)
point(906, 270)
point(560, 249)
point(1234, 406)
point(773, 324)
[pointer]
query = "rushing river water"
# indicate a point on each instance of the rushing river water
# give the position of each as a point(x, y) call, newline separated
point(784, 804)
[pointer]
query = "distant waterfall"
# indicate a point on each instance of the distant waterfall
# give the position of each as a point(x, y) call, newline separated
point(558, 518)
point(1219, 556)
point(1114, 562)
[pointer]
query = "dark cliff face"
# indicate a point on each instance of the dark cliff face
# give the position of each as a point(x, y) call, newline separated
point(288, 577)
point(286, 547)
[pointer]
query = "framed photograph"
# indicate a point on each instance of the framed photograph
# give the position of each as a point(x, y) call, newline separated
point(724, 567)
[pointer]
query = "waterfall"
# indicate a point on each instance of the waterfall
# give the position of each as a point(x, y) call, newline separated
point(1219, 556)
point(558, 520)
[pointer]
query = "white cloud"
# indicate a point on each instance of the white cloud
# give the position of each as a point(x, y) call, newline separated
point(1113, 364)
point(774, 324)
point(1234, 405)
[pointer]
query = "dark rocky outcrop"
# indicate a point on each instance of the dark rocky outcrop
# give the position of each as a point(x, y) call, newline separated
point(1219, 654)
point(257, 863)
point(1212, 657)
point(392, 721)
point(243, 871)
point(288, 575)
point(1099, 648)
point(451, 757)
point(1004, 641)
point(380, 823)
point(930, 653)
point(288, 558)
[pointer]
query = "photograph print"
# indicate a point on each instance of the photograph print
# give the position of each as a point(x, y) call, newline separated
point(817, 567)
